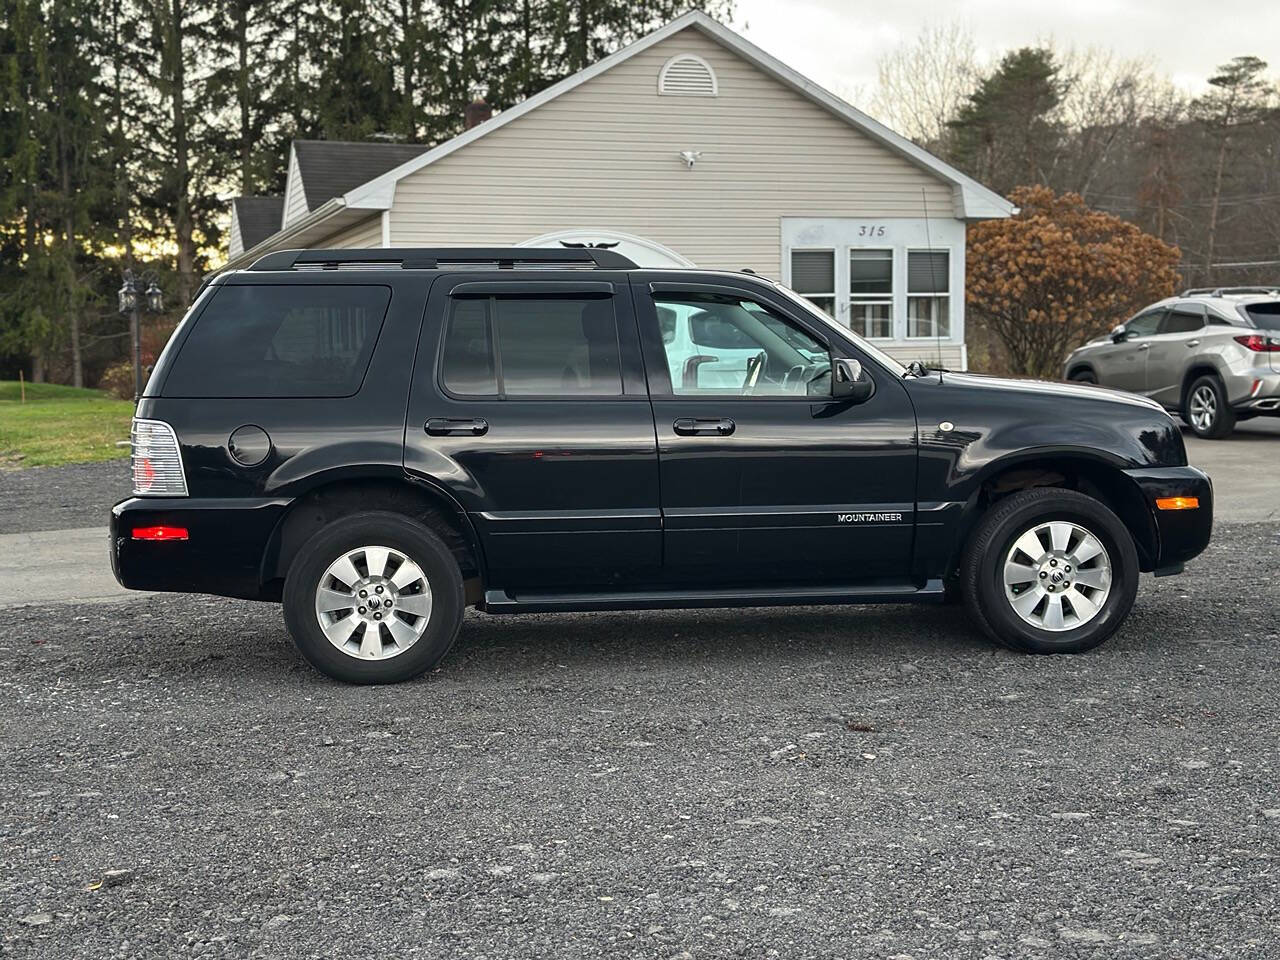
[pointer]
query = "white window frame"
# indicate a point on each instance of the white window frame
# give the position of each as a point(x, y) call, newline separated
point(949, 296)
point(834, 295)
point(895, 276)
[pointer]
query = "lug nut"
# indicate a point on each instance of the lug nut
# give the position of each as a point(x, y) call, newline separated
point(377, 616)
point(378, 589)
point(1053, 563)
point(1067, 568)
point(1043, 574)
point(362, 611)
point(364, 593)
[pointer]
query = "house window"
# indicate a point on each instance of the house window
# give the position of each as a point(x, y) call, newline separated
point(813, 275)
point(928, 293)
point(871, 292)
point(687, 75)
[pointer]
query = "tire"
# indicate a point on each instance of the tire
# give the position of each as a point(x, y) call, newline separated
point(1205, 409)
point(990, 600)
point(1083, 376)
point(430, 581)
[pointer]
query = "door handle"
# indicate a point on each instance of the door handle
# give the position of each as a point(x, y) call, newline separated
point(1145, 346)
point(446, 427)
point(1193, 343)
point(698, 427)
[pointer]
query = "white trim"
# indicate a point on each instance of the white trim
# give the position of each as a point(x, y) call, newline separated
point(386, 229)
point(292, 176)
point(596, 234)
point(276, 241)
point(666, 68)
point(951, 294)
point(973, 200)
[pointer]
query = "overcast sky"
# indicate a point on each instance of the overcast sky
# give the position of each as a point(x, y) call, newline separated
point(837, 42)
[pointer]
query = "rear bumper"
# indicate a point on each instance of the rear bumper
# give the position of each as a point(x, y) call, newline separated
point(223, 553)
point(1180, 535)
point(1255, 389)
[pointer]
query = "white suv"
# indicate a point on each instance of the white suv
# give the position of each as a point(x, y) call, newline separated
point(1211, 355)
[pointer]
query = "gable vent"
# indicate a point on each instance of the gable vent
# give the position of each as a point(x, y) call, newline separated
point(687, 75)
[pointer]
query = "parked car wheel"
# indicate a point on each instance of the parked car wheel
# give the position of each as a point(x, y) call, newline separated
point(1206, 410)
point(374, 598)
point(1050, 571)
point(1083, 376)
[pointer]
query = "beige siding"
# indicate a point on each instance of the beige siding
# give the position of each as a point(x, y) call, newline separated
point(235, 245)
point(606, 155)
point(950, 355)
point(295, 200)
point(366, 233)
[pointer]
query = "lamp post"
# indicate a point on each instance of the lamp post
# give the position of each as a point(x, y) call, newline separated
point(139, 292)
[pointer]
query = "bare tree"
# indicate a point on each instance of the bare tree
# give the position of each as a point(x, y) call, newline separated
point(922, 83)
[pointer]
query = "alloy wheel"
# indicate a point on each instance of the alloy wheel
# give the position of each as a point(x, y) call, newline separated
point(1203, 408)
point(373, 603)
point(1057, 576)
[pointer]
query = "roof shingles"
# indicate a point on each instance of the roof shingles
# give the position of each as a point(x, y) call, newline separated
point(330, 168)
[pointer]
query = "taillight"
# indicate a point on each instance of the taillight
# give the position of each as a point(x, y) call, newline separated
point(156, 460)
point(159, 533)
point(1260, 343)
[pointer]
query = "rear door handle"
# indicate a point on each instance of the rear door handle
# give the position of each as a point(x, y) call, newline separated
point(699, 427)
point(1193, 343)
point(1145, 346)
point(446, 427)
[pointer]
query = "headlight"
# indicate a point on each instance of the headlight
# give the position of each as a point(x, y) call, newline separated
point(156, 460)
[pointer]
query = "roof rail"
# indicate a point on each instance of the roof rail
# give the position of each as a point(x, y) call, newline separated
point(433, 258)
point(1219, 291)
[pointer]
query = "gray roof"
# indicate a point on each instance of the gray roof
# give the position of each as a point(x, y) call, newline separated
point(329, 168)
point(259, 218)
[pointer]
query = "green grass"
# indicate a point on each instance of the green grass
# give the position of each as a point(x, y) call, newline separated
point(60, 425)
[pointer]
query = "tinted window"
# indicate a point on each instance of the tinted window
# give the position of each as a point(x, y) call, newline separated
point(1264, 315)
point(285, 340)
point(1144, 324)
point(1183, 321)
point(532, 347)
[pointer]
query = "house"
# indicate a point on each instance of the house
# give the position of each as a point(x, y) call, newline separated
point(690, 146)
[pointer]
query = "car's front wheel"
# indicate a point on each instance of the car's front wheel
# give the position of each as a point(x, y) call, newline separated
point(1050, 571)
point(374, 598)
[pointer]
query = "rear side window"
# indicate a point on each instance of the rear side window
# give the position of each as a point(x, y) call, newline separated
point(284, 340)
point(1184, 320)
point(532, 347)
point(1265, 315)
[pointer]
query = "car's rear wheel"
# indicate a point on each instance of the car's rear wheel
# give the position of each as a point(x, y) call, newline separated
point(1050, 571)
point(374, 598)
point(1206, 411)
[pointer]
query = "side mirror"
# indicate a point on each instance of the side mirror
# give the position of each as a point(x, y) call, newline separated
point(849, 381)
point(1118, 333)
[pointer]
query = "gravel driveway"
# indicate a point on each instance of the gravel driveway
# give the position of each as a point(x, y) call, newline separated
point(876, 782)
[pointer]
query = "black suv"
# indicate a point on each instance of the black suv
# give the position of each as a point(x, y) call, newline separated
point(380, 438)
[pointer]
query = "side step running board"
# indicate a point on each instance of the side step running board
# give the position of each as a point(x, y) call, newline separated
point(501, 601)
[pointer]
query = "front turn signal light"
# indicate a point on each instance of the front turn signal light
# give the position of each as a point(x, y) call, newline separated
point(1178, 503)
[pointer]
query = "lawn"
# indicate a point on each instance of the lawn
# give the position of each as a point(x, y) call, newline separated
point(60, 425)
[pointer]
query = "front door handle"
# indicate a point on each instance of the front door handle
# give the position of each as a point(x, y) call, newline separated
point(697, 427)
point(446, 427)
point(1145, 346)
point(1193, 343)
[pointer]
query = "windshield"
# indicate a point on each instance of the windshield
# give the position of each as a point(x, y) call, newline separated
point(811, 311)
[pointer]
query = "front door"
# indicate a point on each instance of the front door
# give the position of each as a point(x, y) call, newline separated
point(765, 477)
point(1123, 364)
point(530, 406)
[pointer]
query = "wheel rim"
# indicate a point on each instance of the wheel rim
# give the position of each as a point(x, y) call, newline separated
point(1204, 407)
point(373, 603)
point(1057, 576)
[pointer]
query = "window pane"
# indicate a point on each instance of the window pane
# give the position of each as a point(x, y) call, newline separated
point(1144, 324)
point(558, 347)
point(726, 346)
point(813, 271)
point(282, 340)
point(1180, 321)
point(467, 366)
point(870, 271)
point(871, 319)
point(826, 304)
point(928, 271)
point(928, 317)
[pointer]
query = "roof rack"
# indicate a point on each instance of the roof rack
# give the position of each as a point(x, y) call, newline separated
point(433, 258)
point(1219, 291)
